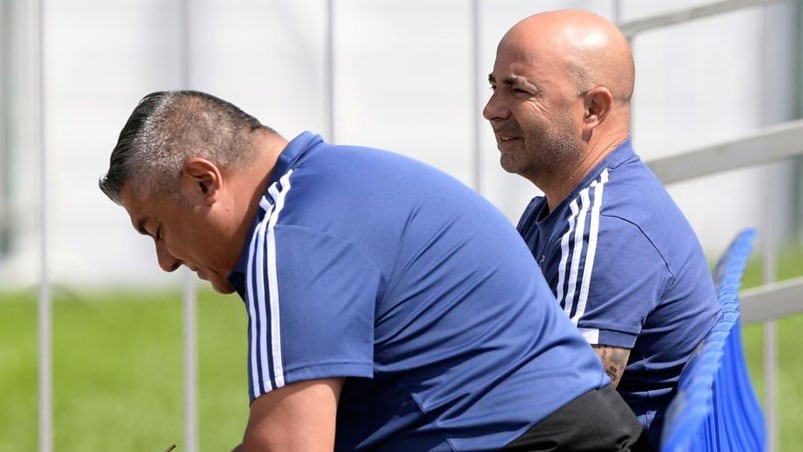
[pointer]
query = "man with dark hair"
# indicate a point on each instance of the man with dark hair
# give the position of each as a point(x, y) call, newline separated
point(389, 306)
point(621, 259)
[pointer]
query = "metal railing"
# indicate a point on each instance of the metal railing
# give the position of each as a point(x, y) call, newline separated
point(771, 144)
point(772, 300)
point(632, 28)
point(762, 304)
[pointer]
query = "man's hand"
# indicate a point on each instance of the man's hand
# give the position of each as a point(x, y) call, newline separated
point(614, 361)
point(298, 417)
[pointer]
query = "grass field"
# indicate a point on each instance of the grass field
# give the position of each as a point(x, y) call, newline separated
point(118, 370)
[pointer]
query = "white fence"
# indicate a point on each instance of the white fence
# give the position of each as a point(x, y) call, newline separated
point(777, 142)
point(763, 304)
point(772, 300)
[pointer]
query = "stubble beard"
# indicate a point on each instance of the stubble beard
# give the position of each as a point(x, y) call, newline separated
point(547, 156)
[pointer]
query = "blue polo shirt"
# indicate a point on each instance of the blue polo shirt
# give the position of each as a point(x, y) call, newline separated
point(372, 266)
point(627, 269)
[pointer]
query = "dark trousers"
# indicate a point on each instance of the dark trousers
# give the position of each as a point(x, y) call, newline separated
point(598, 420)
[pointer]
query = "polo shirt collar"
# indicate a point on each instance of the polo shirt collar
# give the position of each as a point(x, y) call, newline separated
point(288, 159)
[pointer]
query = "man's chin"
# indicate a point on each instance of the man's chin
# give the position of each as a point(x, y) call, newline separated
point(222, 287)
point(508, 164)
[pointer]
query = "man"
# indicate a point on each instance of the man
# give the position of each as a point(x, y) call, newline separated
point(620, 257)
point(390, 307)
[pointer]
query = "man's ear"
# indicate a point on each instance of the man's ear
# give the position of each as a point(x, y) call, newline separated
point(200, 181)
point(598, 102)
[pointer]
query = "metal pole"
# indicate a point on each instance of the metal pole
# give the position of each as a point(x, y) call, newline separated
point(329, 71)
point(769, 223)
point(45, 323)
point(770, 338)
point(474, 36)
point(797, 181)
point(190, 365)
point(5, 36)
point(616, 12)
point(185, 37)
point(616, 17)
point(189, 297)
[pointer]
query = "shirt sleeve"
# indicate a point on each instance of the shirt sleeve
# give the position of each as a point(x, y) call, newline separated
point(616, 281)
point(310, 306)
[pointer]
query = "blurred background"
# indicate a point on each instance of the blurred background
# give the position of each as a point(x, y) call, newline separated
point(405, 75)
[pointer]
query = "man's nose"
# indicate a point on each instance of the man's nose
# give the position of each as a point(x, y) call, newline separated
point(166, 260)
point(494, 109)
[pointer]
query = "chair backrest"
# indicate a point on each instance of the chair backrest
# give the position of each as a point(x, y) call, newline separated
point(716, 408)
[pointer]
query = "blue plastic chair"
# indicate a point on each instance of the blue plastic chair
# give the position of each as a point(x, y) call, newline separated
point(715, 408)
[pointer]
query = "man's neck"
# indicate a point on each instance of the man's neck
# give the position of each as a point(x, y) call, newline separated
point(564, 182)
point(252, 181)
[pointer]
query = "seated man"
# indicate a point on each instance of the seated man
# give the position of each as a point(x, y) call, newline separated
point(621, 259)
point(389, 306)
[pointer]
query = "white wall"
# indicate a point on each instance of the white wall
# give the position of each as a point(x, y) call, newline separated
point(714, 80)
point(403, 80)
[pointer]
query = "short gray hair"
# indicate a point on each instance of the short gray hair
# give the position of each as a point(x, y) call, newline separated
point(165, 129)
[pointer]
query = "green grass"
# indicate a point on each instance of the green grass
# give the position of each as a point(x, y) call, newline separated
point(118, 369)
point(790, 355)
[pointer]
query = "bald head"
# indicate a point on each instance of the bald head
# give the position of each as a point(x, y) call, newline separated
point(585, 47)
point(562, 83)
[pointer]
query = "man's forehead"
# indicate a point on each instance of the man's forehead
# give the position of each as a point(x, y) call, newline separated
point(129, 199)
point(520, 54)
point(137, 207)
point(511, 61)
point(139, 220)
point(517, 67)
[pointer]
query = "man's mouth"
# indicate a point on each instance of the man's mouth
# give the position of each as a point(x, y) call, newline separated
point(504, 140)
point(505, 134)
point(199, 273)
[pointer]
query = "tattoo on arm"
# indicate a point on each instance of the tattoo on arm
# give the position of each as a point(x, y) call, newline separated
point(614, 361)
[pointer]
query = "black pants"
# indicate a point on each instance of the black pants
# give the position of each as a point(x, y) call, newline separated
point(598, 420)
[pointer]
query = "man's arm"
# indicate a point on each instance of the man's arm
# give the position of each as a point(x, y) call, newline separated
point(614, 361)
point(298, 417)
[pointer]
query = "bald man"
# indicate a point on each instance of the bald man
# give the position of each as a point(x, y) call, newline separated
point(622, 260)
point(387, 304)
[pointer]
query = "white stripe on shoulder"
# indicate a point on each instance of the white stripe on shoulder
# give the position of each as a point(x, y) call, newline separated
point(261, 262)
point(265, 204)
point(256, 309)
point(593, 235)
point(577, 252)
point(564, 258)
point(273, 279)
point(259, 270)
